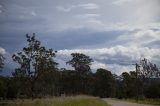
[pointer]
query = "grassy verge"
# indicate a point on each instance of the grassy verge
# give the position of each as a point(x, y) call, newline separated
point(57, 101)
point(143, 101)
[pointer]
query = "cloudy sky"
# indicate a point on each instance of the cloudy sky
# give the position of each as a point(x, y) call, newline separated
point(115, 33)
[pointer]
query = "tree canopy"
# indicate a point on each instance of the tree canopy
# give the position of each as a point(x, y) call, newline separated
point(80, 62)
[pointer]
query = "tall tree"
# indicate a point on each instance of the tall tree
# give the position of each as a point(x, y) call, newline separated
point(81, 64)
point(105, 83)
point(128, 84)
point(34, 58)
point(148, 69)
point(35, 61)
point(146, 72)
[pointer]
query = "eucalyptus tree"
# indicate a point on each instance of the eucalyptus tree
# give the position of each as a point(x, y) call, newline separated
point(146, 73)
point(148, 69)
point(34, 62)
point(81, 63)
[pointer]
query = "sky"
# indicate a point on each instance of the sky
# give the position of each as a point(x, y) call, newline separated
point(115, 33)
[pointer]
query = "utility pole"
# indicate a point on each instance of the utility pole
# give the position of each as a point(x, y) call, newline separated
point(137, 66)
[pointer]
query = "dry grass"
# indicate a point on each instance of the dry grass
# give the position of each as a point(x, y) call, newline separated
point(56, 101)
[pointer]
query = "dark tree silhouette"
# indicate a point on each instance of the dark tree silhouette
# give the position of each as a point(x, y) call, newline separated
point(129, 89)
point(34, 58)
point(35, 61)
point(105, 83)
point(148, 69)
point(146, 72)
point(80, 62)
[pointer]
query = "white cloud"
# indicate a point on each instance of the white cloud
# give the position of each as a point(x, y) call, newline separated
point(97, 65)
point(119, 69)
point(89, 15)
point(2, 51)
point(70, 7)
point(89, 6)
point(140, 37)
point(130, 52)
point(65, 9)
point(121, 2)
point(148, 34)
point(117, 58)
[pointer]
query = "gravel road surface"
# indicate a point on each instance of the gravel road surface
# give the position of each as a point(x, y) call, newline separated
point(122, 103)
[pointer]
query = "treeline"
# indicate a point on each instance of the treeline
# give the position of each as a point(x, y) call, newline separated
point(38, 76)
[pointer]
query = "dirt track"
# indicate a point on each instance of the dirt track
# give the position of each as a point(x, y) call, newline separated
point(121, 103)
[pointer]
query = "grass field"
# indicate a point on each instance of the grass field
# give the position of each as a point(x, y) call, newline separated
point(56, 101)
point(143, 101)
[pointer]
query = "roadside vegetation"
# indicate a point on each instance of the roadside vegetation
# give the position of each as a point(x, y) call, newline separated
point(57, 101)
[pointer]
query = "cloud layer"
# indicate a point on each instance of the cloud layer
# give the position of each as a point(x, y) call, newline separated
point(118, 56)
point(113, 32)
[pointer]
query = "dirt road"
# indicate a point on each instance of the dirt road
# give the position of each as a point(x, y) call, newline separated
point(121, 103)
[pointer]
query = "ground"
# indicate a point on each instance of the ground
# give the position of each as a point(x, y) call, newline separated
point(56, 101)
point(122, 103)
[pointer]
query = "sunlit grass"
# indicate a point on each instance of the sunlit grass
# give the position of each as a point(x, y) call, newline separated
point(56, 101)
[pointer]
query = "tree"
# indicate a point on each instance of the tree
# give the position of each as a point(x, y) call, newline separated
point(34, 58)
point(35, 62)
point(105, 83)
point(128, 84)
point(80, 62)
point(3, 84)
point(148, 69)
point(153, 89)
point(146, 72)
point(1, 61)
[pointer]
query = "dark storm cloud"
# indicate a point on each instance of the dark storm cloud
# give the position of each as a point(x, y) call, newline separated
point(83, 37)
